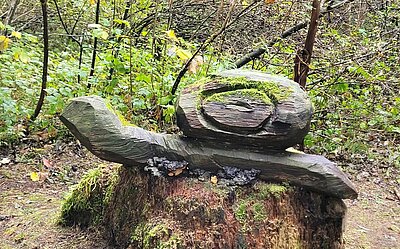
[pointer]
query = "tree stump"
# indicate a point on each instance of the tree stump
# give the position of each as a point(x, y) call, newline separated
point(139, 210)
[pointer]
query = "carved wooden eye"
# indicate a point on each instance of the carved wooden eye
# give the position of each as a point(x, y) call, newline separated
point(246, 108)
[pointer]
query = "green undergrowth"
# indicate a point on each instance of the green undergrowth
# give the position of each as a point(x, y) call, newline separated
point(83, 204)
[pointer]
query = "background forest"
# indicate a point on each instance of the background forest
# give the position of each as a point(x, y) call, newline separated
point(137, 49)
point(133, 52)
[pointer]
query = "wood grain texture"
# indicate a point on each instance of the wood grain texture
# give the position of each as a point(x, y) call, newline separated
point(101, 131)
point(264, 111)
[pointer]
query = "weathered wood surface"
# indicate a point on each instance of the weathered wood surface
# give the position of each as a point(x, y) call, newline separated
point(245, 108)
point(101, 131)
point(134, 209)
point(185, 213)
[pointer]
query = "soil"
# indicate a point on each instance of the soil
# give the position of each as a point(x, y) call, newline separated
point(30, 203)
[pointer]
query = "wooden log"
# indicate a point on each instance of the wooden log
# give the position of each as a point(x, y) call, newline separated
point(138, 210)
point(99, 129)
point(245, 108)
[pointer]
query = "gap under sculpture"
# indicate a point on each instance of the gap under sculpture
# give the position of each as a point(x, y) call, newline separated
point(243, 119)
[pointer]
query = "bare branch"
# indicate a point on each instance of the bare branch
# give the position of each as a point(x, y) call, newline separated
point(259, 51)
point(224, 27)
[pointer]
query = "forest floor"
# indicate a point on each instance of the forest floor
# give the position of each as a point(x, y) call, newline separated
point(29, 209)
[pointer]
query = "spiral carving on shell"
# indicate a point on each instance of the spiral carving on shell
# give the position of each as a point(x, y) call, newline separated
point(245, 108)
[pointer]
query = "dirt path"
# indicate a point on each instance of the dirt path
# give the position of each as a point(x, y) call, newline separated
point(373, 220)
point(29, 209)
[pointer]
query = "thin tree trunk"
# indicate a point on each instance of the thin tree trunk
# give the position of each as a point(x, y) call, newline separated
point(125, 17)
point(45, 60)
point(94, 45)
point(303, 56)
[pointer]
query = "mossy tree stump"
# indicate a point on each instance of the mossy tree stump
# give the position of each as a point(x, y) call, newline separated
point(139, 210)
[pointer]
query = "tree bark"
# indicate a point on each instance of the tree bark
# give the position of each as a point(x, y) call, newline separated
point(138, 210)
point(303, 57)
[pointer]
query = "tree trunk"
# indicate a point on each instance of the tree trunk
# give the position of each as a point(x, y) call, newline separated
point(43, 92)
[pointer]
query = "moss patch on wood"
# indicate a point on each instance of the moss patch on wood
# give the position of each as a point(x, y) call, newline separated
point(268, 92)
point(253, 94)
point(118, 114)
point(144, 211)
point(154, 235)
point(84, 204)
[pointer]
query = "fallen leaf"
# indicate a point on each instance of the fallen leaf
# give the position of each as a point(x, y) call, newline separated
point(35, 176)
point(39, 176)
point(5, 160)
point(176, 172)
point(43, 176)
point(171, 35)
point(293, 150)
point(214, 179)
point(47, 163)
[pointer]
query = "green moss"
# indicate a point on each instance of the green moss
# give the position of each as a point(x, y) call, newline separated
point(83, 204)
point(268, 190)
point(271, 89)
point(112, 182)
point(267, 91)
point(121, 117)
point(150, 236)
point(246, 93)
point(259, 212)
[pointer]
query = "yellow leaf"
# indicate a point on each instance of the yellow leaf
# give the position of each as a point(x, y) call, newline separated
point(183, 54)
point(104, 35)
point(16, 34)
point(4, 42)
point(171, 35)
point(214, 179)
point(16, 55)
point(35, 176)
point(93, 2)
point(23, 57)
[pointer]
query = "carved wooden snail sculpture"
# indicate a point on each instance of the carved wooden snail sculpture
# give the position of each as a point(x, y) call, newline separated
point(243, 119)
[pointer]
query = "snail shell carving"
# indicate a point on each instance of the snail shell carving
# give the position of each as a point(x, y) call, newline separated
point(245, 108)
